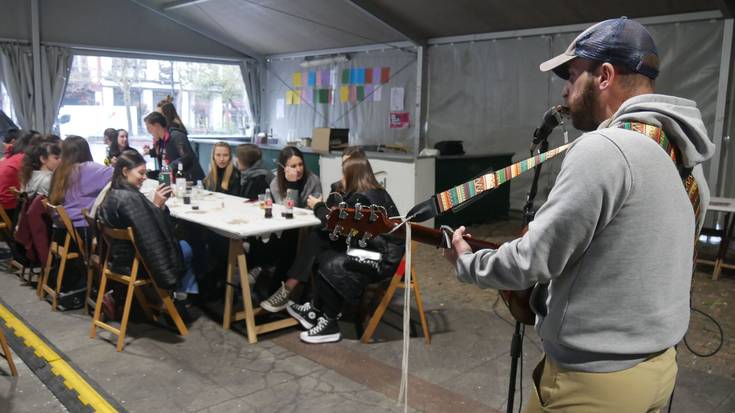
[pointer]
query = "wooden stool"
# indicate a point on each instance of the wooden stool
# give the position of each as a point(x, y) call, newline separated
point(398, 282)
point(92, 258)
point(61, 251)
point(132, 282)
point(7, 354)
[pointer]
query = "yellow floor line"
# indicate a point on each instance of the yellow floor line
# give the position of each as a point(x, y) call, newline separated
point(72, 380)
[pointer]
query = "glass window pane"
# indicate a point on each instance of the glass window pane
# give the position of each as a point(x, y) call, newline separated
point(112, 92)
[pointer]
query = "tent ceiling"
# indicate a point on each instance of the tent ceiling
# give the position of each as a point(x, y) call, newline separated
point(282, 26)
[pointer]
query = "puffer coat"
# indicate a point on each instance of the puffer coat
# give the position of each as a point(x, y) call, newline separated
point(126, 206)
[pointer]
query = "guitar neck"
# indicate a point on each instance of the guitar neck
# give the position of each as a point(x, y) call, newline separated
point(431, 236)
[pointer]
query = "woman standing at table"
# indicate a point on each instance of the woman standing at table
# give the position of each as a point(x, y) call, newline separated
point(293, 174)
point(169, 260)
point(223, 176)
point(339, 279)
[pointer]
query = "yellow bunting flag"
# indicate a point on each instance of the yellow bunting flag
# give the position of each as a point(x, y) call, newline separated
point(344, 94)
point(297, 79)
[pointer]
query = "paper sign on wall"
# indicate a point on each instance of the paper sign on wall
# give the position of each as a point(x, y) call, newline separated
point(396, 99)
point(398, 120)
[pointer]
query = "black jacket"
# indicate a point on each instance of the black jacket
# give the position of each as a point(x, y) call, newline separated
point(215, 183)
point(128, 207)
point(334, 265)
point(179, 151)
point(254, 181)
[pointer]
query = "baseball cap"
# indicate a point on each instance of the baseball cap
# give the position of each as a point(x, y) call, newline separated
point(620, 41)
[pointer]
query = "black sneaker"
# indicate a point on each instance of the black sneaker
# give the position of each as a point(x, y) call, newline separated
point(325, 331)
point(304, 313)
point(278, 301)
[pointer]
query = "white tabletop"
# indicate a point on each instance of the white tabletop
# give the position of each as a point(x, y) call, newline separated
point(721, 204)
point(235, 217)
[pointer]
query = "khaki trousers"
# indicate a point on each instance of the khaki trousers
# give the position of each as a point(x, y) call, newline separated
point(644, 388)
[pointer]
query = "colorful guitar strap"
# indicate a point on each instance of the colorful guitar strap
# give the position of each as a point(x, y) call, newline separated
point(451, 198)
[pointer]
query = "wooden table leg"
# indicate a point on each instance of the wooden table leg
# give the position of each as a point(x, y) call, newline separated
point(248, 302)
point(229, 290)
point(237, 258)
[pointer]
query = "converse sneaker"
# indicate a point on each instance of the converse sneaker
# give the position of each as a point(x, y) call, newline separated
point(304, 313)
point(326, 331)
point(276, 302)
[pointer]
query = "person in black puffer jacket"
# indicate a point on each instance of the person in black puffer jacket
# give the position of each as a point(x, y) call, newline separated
point(338, 278)
point(168, 260)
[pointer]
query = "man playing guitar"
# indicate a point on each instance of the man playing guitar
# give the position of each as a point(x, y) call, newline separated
point(611, 249)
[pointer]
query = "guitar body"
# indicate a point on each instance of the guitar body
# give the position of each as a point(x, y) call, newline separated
point(370, 221)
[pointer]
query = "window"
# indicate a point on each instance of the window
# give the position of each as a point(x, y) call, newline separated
point(112, 92)
point(5, 104)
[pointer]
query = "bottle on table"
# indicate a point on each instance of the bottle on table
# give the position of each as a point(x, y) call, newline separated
point(180, 180)
point(164, 175)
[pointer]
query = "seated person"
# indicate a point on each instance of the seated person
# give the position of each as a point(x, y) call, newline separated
point(118, 146)
point(10, 171)
point(75, 184)
point(125, 206)
point(39, 165)
point(254, 178)
point(317, 240)
point(223, 177)
point(348, 152)
point(292, 174)
point(339, 279)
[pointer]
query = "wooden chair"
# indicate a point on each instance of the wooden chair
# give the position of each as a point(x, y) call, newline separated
point(7, 354)
point(7, 228)
point(63, 252)
point(132, 282)
point(397, 281)
point(93, 257)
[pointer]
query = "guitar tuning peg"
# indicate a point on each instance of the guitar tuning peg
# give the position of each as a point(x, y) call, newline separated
point(363, 241)
point(348, 239)
point(358, 211)
point(334, 235)
point(373, 213)
point(342, 210)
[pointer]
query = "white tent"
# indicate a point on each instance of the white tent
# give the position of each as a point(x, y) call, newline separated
point(467, 69)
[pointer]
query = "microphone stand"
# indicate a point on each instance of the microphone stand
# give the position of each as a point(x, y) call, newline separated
point(516, 346)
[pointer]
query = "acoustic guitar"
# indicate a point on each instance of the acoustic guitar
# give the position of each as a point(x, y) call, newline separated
point(366, 222)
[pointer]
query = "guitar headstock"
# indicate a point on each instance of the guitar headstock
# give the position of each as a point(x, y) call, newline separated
point(365, 221)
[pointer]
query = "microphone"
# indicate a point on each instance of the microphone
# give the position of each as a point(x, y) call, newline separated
point(551, 119)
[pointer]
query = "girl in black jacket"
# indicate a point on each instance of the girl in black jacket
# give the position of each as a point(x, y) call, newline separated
point(168, 260)
point(223, 176)
point(337, 278)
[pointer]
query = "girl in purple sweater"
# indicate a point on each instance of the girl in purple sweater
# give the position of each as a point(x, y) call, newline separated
point(75, 184)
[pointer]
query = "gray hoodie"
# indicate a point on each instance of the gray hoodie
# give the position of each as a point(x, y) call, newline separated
point(614, 242)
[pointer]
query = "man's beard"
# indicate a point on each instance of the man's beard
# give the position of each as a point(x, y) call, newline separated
point(583, 109)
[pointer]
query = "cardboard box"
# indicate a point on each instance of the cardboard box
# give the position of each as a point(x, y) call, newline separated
point(326, 139)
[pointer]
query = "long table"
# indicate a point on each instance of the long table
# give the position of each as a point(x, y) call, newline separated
point(236, 218)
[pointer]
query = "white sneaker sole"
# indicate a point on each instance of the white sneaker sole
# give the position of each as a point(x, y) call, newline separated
point(327, 338)
point(304, 322)
point(272, 309)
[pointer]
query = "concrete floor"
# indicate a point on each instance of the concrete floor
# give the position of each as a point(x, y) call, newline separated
point(212, 370)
